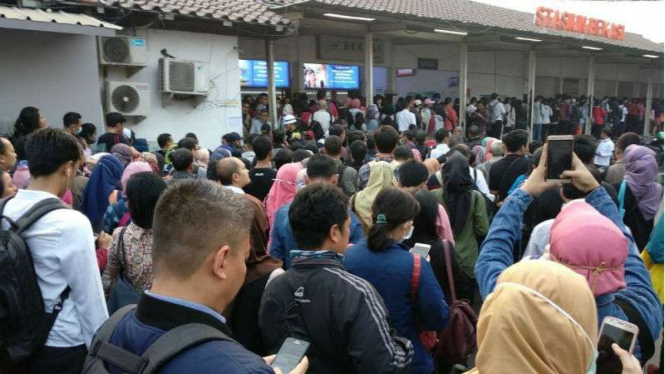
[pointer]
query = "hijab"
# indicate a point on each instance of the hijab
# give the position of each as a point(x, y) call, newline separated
point(151, 159)
point(591, 245)
point(457, 185)
point(355, 103)
point(259, 263)
point(479, 151)
point(372, 112)
point(283, 190)
point(519, 331)
point(432, 165)
point(287, 109)
point(105, 178)
point(640, 174)
point(131, 169)
point(381, 176)
point(488, 148)
point(123, 153)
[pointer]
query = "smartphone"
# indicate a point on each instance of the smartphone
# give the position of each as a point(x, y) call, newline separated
point(421, 249)
point(290, 354)
point(559, 156)
point(614, 330)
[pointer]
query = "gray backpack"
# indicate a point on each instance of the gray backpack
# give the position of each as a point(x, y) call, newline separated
point(166, 347)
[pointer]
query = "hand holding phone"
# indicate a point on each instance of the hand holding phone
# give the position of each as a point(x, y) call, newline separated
point(580, 176)
point(291, 357)
point(421, 249)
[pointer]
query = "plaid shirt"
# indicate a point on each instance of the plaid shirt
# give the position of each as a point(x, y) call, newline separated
point(363, 173)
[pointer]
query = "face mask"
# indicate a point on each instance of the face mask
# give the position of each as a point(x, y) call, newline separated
point(592, 366)
point(79, 131)
point(407, 236)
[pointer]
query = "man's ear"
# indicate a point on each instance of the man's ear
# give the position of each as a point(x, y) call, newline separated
point(219, 262)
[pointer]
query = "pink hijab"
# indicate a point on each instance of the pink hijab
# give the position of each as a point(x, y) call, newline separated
point(283, 190)
point(131, 169)
point(591, 245)
point(355, 103)
point(488, 148)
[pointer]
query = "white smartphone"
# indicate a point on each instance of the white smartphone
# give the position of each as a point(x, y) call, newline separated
point(614, 330)
point(421, 249)
point(290, 354)
point(559, 156)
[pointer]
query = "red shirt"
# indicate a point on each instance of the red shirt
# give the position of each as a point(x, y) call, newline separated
point(598, 114)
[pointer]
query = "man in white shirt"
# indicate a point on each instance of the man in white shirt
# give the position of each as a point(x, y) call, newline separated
point(497, 112)
point(406, 118)
point(63, 250)
point(471, 108)
point(441, 136)
point(605, 150)
point(322, 116)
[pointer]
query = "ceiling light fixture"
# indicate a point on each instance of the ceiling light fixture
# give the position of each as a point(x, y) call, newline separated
point(527, 39)
point(335, 15)
point(462, 33)
point(650, 56)
point(591, 48)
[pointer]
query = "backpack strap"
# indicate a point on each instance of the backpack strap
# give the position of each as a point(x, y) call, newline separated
point(36, 212)
point(622, 198)
point(449, 269)
point(102, 349)
point(644, 336)
point(415, 277)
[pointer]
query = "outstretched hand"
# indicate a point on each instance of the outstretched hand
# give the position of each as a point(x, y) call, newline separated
point(537, 183)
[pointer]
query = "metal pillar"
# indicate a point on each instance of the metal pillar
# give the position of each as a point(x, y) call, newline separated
point(272, 92)
point(369, 66)
point(463, 70)
point(647, 105)
point(616, 86)
point(590, 87)
point(299, 84)
point(531, 89)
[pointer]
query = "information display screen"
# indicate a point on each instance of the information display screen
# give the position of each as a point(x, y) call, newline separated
point(334, 77)
point(254, 73)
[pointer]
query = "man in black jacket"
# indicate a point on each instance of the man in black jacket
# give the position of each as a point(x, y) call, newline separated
point(317, 300)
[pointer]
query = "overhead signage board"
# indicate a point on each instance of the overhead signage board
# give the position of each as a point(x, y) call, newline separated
point(334, 77)
point(347, 49)
point(554, 19)
point(254, 73)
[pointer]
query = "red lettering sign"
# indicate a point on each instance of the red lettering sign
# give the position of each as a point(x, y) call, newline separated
point(553, 19)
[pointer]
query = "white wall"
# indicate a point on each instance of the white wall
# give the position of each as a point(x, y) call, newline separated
point(54, 72)
point(211, 119)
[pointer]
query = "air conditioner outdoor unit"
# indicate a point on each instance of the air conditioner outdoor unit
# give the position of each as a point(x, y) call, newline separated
point(130, 99)
point(123, 50)
point(184, 77)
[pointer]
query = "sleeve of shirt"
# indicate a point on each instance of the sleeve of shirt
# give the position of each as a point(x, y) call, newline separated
point(277, 249)
point(350, 181)
point(443, 226)
point(357, 234)
point(481, 183)
point(111, 270)
point(496, 253)
point(481, 223)
point(76, 253)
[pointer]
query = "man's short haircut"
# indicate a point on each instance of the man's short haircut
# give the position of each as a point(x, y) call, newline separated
point(333, 145)
point(321, 166)
point(441, 135)
point(181, 159)
point(455, 140)
point(315, 209)
point(497, 148)
point(226, 167)
point(409, 135)
point(336, 130)
point(532, 146)
point(300, 155)
point(474, 130)
point(71, 119)
point(262, 147)
point(358, 150)
point(413, 173)
point(163, 139)
point(192, 135)
point(515, 140)
point(249, 143)
point(143, 191)
point(48, 149)
point(608, 131)
point(3, 149)
point(189, 143)
point(628, 139)
point(403, 153)
point(461, 149)
point(278, 136)
point(283, 157)
point(585, 148)
point(355, 135)
point(193, 219)
point(311, 146)
point(113, 119)
point(386, 139)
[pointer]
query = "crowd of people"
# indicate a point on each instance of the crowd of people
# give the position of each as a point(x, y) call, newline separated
point(189, 260)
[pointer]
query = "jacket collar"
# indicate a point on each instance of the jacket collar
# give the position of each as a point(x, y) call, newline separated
point(316, 259)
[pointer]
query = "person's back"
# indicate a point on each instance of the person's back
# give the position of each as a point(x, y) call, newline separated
point(262, 175)
point(115, 123)
point(323, 117)
point(505, 171)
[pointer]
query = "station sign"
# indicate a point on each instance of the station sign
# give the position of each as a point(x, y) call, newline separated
point(565, 21)
point(348, 49)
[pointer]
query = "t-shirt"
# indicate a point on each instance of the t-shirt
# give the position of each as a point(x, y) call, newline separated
point(261, 182)
point(504, 172)
point(110, 139)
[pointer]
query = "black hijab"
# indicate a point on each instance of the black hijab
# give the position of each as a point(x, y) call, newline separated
point(457, 186)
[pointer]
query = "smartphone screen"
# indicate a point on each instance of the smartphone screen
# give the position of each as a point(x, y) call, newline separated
point(290, 354)
point(559, 157)
point(421, 249)
point(613, 334)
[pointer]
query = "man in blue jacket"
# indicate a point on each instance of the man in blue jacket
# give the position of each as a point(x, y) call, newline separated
point(200, 244)
point(320, 169)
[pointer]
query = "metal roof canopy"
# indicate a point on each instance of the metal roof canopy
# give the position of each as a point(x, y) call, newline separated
point(58, 22)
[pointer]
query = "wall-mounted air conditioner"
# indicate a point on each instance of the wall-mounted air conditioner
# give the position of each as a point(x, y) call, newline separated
point(183, 77)
point(130, 99)
point(123, 51)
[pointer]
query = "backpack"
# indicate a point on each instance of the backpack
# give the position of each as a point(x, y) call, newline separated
point(25, 326)
point(166, 347)
point(458, 340)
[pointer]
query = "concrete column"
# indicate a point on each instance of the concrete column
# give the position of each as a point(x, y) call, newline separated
point(590, 84)
point(369, 66)
point(392, 71)
point(616, 87)
point(272, 92)
point(647, 105)
point(298, 82)
point(531, 89)
point(463, 70)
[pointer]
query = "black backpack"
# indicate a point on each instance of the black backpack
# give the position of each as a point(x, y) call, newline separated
point(24, 324)
point(165, 348)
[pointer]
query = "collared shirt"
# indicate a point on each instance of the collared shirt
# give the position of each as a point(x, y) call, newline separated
point(63, 251)
point(439, 150)
point(404, 119)
point(363, 173)
point(604, 152)
point(188, 304)
point(235, 189)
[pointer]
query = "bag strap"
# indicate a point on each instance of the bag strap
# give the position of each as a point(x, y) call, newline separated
point(102, 349)
point(415, 277)
point(449, 269)
point(622, 197)
point(644, 336)
point(121, 246)
point(36, 212)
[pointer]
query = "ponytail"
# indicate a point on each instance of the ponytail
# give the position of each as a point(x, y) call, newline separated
point(392, 207)
point(377, 238)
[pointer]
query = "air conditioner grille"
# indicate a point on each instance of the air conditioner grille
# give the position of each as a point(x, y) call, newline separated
point(181, 76)
point(116, 50)
point(125, 99)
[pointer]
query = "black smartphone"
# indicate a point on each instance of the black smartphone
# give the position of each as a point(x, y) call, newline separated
point(559, 156)
point(290, 354)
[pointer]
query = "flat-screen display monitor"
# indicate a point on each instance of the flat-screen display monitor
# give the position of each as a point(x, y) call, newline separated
point(334, 77)
point(254, 73)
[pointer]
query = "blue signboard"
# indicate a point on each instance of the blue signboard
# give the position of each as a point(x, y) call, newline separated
point(334, 77)
point(254, 73)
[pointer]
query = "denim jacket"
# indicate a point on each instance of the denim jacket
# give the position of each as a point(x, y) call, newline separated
point(496, 255)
